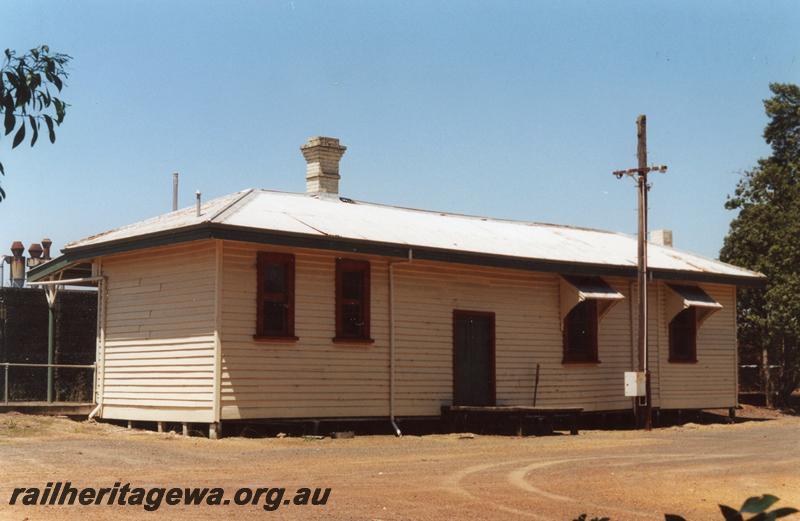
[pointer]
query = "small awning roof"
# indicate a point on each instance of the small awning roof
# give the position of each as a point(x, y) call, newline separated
point(61, 267)
point(695, 296)
point(683, 297)
point(575, 289)
point(593, 288)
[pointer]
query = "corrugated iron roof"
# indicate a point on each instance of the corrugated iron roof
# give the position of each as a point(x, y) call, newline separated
point(332, 217)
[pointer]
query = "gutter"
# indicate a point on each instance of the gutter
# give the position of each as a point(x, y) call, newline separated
point(392, 421)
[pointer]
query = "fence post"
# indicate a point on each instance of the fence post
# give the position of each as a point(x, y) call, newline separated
point(5, 386)
point(51, 332)
point(765, 377)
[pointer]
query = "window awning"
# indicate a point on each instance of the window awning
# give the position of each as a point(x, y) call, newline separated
point(682, 297)
point(575, 290)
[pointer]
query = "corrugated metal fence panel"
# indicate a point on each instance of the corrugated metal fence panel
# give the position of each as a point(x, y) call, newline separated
point(23, 339)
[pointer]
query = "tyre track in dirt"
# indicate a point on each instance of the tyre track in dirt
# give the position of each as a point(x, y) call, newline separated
point(521, 479)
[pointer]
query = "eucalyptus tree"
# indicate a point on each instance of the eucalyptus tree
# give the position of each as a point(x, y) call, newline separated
point(30, 87)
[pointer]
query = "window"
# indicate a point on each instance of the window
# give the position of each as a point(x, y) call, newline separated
point(352, 300)
point(580, 333)
point(275, 296)
point(683, 336)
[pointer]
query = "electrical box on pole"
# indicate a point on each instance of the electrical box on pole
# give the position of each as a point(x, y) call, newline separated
point(635, 383)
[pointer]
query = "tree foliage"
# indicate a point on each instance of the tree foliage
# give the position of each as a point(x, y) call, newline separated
point(765, 236)
point(29, 95)
point(758, 506)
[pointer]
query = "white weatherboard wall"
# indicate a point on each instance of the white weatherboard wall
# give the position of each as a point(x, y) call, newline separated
point(711, 382)
point(162, 314)
point(313, 377)
point(158, 327)
point(527, 329)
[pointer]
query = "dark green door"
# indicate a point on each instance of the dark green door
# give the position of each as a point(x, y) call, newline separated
point(473, 358)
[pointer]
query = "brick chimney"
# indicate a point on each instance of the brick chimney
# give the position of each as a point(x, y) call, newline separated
point(322, 156)
point(661, 237)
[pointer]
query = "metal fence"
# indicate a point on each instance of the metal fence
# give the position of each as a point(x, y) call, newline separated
point(751, 377)
point(31, 383)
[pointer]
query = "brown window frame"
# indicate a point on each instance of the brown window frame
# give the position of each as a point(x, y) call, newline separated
point(568, 355)
point(265, 259)
point(351, 265)
point(691, 353)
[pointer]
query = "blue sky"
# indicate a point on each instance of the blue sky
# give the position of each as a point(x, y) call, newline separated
point(509, 109)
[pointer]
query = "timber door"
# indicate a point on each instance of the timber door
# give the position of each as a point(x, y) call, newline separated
point(473, 358)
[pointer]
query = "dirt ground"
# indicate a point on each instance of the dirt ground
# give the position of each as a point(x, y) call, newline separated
point(626, 475)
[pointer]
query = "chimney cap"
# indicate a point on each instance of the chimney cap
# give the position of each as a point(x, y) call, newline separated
point(323, 141)
point(35, 250)
point(17, 248)
point(46, 244)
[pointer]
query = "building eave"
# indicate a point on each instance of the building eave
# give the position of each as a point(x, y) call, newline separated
point(207, 230)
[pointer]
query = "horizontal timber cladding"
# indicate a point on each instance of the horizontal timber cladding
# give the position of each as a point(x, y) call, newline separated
point(159, 334)
point(527, 329)
point(310, 377)
point(315, 377)
point(711, 382)
point(160, 340)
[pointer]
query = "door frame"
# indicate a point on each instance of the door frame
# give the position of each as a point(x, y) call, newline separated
point(492, 355)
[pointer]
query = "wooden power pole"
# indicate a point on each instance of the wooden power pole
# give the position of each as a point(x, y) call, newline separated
point(644, 411)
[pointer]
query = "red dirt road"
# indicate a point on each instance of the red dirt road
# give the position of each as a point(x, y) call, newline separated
point(625, 475)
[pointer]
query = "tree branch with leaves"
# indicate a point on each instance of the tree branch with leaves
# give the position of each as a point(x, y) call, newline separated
point(30, 85)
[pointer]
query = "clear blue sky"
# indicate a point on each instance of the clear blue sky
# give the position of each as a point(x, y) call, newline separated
point(509, 109)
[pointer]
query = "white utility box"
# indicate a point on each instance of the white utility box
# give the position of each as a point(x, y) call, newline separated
point(635, 383)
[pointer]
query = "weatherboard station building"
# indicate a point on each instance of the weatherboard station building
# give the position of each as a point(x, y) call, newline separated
point(272, 305)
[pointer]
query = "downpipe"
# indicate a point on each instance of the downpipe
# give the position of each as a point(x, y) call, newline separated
point(100, 355)
point(94, 411)
point(392, 420)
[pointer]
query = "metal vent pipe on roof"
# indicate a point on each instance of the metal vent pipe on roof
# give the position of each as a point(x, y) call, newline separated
point(197, 195)
point(174, 191)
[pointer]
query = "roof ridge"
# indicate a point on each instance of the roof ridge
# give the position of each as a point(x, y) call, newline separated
point(230, 206)
point(458, 214)
point(187, 210)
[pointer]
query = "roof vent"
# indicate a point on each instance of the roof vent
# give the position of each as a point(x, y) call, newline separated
point(661, 237)
point(322, 156)
point(46, 243)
